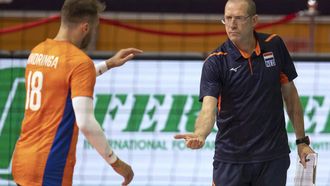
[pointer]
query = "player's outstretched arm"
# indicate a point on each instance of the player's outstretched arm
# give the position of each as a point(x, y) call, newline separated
point(120, 58)
point(84, 112)
point(203, 126)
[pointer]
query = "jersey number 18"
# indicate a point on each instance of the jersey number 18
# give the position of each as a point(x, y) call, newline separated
point(33, 90)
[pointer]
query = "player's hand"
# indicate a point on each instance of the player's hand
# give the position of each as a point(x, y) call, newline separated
point(303, 151)
point(193, 141)
point(122, 56)
point(124, 170)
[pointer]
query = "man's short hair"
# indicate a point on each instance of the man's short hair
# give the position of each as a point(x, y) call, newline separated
point(251, 9)
point(76, 11)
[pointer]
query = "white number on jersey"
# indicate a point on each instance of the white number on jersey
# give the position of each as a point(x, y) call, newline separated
point(33, 90)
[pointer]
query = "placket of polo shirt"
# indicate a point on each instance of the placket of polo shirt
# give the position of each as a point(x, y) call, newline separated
point(248, 56)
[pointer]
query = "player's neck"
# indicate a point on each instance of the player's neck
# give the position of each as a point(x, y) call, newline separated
point(65, 34)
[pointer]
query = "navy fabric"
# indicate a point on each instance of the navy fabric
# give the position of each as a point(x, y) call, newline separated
point(251, 117)
point(269, 173)
point(61, 146)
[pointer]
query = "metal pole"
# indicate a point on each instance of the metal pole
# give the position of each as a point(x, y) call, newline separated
point(312, 13)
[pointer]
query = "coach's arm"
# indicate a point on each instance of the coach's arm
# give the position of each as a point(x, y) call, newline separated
point(295, 112)
point(203, 126)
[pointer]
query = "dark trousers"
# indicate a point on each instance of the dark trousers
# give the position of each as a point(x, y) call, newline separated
point(269, 173)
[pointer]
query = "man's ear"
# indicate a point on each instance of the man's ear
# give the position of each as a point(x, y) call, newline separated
point(255, 20)
point(84, 27)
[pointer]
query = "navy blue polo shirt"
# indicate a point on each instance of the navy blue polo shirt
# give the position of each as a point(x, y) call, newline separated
point(250, 115)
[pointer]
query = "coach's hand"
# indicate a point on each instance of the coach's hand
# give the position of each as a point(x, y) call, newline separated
point(303, 151)
point(124, 170)
point(193, 141)
point(122, 56)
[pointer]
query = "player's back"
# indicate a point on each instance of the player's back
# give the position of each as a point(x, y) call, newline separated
point(45, 151)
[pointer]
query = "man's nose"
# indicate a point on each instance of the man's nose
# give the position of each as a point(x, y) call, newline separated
point(233, 26)
point(233, 23)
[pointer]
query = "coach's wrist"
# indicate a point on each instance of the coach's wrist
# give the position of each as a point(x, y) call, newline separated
point(200, 135)
point(305, 140)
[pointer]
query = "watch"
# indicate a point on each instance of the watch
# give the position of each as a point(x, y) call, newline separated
point(303, 140)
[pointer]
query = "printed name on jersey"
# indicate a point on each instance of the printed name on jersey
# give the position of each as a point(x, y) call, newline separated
point(43, 60)
point(269, 59)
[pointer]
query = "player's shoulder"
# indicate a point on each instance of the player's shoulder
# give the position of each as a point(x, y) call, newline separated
point(81, 57)
point(42, 46)
point(75, 55)
point(63, 48)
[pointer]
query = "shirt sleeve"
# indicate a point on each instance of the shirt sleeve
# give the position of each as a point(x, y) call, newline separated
point(288, 70)
point(210, 84)
point(83, 80)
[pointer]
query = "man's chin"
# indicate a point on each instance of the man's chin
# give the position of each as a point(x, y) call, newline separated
point(234, 38)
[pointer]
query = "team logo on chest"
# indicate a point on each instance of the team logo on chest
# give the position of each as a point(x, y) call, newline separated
point(269, 59)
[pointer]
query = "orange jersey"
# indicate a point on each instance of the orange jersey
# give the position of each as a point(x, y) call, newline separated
point(56, 72)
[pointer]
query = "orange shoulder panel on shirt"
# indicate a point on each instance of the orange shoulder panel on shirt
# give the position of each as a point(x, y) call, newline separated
point(270, 37)
point(216, 54)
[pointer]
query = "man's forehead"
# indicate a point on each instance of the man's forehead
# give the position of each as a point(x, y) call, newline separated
point(236, 7)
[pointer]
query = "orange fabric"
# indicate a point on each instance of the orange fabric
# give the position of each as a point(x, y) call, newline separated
point(257, 49)
point(250, 66)
point(216, 54)
point(283, 78)
point(219, 103)
point(247, 55)
point(270, 37)
point(63, 67)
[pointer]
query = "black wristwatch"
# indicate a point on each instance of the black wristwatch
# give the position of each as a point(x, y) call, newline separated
point(303, 140)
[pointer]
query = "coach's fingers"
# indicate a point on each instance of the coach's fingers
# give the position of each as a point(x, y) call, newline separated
point(180, 136)
point(194, 143)
point(303, 151)
point(303, 159)
point(189, 143)
point(184, 136)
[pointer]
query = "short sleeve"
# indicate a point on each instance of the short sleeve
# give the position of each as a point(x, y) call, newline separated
point(83, 80)
point(210, 84)
point(288, 70)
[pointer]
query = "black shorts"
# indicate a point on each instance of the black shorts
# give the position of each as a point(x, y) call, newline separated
point(269, 173)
